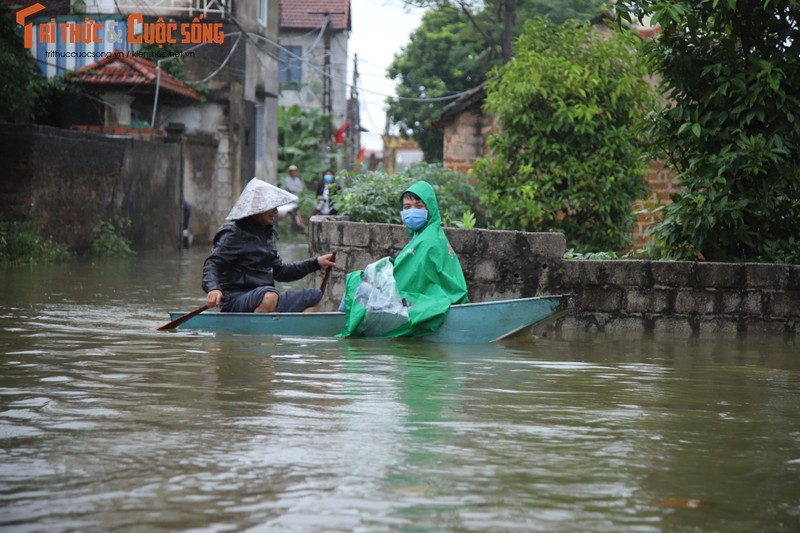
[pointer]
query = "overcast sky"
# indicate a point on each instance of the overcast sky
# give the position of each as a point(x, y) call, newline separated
point(381, 28)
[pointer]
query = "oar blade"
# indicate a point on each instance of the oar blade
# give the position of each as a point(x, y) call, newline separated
point(181, 319)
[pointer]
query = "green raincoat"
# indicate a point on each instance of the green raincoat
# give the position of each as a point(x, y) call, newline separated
point(427, 275)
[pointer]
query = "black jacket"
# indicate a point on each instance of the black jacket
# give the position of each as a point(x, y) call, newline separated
point(245, 256)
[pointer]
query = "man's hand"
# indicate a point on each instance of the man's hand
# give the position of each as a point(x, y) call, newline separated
point(214, 298)
point(326, 260)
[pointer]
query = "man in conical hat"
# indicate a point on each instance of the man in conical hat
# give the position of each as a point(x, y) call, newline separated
point(240, 273)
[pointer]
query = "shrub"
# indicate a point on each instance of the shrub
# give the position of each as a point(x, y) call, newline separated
point(20, 242)
point(108, 239)
point(375, 196)
point(568, 156)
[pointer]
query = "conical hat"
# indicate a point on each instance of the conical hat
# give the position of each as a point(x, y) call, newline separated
point(259, 197)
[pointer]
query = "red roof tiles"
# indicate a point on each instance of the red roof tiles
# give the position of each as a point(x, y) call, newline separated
point(308, 14)
point(126, 70)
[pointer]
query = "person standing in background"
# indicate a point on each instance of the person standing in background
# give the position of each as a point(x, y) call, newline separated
point(294, 184)
point(325, 190)
point(186, 235)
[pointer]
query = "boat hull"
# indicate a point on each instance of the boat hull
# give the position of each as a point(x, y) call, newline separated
point(466, 323)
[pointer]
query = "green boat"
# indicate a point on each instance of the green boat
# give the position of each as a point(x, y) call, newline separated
point(466, 323)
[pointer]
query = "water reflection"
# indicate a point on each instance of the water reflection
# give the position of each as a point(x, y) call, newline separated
point(106, 424)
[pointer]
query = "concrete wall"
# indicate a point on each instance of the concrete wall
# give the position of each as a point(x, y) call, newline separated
point(209, 197)
point(69, 181)
point(663, 297)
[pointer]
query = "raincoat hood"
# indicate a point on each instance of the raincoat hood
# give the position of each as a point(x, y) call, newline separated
point(425, 191)
point(259, 197)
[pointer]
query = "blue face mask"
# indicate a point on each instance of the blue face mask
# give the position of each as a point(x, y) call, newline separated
point(414, 219)
point(328, 178)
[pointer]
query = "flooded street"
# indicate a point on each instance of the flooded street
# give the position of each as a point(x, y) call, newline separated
point(109, 425)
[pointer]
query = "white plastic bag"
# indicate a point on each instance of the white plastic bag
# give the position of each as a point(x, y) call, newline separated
point(378, 293)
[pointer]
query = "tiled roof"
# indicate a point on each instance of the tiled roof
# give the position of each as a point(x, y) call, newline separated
point(469, 99)
point(307, 14)
point(122, 69)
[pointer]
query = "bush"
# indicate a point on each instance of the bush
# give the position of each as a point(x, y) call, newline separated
point(375, 196)
point(20, 243)
point(108, 239)
point(568, 156)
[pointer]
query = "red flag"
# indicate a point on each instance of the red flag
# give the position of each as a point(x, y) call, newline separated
point(338, 137)
point(361, 154)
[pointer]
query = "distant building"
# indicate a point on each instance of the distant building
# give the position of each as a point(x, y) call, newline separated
point(400, 153)
point(125, 86)
point(314, 35)
point(225, 111)
point(466, 129)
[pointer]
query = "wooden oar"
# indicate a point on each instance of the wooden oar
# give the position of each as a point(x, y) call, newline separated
point(327, 275)
point(180, 320)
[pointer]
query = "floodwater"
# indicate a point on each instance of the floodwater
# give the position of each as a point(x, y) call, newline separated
point(109, 425)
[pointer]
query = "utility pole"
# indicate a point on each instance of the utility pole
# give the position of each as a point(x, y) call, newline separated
point(327, 106)
point(327, 74)
point(354, 120)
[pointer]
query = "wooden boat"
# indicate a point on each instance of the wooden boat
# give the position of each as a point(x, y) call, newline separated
point(466, 323)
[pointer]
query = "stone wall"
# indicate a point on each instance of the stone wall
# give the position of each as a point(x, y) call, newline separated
point(680, 298)
point(68, 181)
point(662, 297)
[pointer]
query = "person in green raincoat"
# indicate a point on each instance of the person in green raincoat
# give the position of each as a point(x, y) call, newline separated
point(415, 289)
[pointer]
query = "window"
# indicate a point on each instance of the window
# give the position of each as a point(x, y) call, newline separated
point(290, 65)
point(262, 12)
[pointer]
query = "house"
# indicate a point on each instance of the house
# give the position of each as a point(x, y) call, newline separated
point(313, 56)
point(466, 128)
point(223, 112)
point(125, 86)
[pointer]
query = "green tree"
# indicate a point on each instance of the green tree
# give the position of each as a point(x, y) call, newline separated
point(445, 56)
point(22, 84)
point(458, 42)
point(571, 108)
point(732, 129)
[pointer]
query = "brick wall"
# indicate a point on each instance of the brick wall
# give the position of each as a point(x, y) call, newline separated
point(465, 139)
point(662, 187)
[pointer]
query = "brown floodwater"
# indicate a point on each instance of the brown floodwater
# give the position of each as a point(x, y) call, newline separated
point(109, 425)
